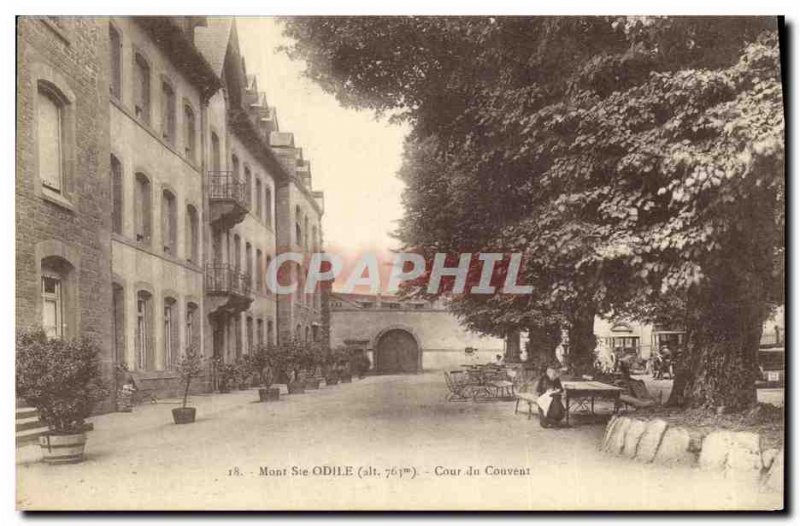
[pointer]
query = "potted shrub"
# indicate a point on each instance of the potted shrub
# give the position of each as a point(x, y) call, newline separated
point(342, 359)
point(294, 359)
point(189, 367)
point(315, 358)
point(62, 380)
point(260, 365)
point(240, 372)
point(227, 373)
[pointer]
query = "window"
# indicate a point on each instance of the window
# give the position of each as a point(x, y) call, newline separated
point(192, 327)
point(270, 331)
point(192, 235)
point(117, 193)
point(143, 210)
point(248, 190)
point(259, 197)
point(259, 271)
point(216, 153)
point(237, 252)
point(248, 254)
point(170, 334)
point(237, 323)
point(268, 204)
point(305, 233)
point(115, 49)
point(190, 133)
point(249, 334)
point(266, 269)
point(167, 113)
point(260, 332)
point(50, 138)
point(52, 306)
point(169, 222)
point(118, 306)
point(141, 88)
point(144, 354)
point(235, 166)
point(298, 233)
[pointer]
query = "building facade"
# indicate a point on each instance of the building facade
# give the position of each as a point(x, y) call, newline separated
point(151, 182)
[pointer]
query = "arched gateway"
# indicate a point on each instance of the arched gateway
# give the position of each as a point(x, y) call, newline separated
point(397, 351)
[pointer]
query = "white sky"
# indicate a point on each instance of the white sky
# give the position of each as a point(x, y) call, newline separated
point(354, 158)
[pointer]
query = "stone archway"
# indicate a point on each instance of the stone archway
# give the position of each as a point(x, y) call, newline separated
point(397, 350)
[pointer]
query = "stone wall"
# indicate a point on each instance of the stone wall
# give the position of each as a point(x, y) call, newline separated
point(738, 454)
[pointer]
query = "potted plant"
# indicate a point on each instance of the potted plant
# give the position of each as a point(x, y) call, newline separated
point(260, 365)
point(189, 367)
point(125, 388)
point(342, 359)
point(315, 359)
point(62, 380)
point(240, 372)
point(294, 359)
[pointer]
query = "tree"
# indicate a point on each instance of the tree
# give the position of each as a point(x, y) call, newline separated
point(628, 158)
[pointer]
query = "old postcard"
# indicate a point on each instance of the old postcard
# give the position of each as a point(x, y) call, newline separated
point(400, 263)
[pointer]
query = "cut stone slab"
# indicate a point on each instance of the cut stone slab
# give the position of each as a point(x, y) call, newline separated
point(674, 447)
point(617, 440)
point(745, 453)
point(768, 456)
point(609, 430)
point(648, 444)
point(632, 436)
point(716, 447)
point(774, 479)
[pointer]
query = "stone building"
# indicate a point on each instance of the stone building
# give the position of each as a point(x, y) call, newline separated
point(63, 205)
point(153, 183)
point(406, 335)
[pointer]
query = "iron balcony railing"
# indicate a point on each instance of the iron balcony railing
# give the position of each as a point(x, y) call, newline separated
point(227, 186)
point(224, 279)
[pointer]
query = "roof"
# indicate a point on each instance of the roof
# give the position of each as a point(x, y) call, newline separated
point(212, 41)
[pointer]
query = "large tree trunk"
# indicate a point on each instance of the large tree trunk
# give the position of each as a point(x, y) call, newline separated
point(582, 340)
point(542, 343)
point(512, 346)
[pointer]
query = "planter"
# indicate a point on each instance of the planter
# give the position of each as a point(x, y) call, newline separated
point(62, 449)
point(332, 380)
point(296, 387)
point(183, 415)
point(269, 394)
point(313, 383)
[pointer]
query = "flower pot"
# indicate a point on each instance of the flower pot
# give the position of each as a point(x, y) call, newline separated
point(269, 394)
point(183, 415)
point(62, 449)
point(346, 379)
point(332, 380)
point(296, 387)
point(313, 383)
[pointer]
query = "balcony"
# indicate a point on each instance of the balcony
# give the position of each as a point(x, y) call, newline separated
point(228, 289)
point(228, 199)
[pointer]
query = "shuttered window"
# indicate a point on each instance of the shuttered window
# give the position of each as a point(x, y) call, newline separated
point(49, 140)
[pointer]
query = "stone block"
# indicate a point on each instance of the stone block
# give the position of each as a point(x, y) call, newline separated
point(716, 448)
point(745, 453)
point(632, 437)
point(617, 439)
point(674, 447)
point(648, 444)
point(612, 424)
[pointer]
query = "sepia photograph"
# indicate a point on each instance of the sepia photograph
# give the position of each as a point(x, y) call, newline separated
point(400, 263)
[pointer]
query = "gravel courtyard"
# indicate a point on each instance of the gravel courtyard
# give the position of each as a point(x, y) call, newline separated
point(386, 442)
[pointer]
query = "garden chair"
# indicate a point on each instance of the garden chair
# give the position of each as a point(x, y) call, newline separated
point(637, 396)
point(524, 394)
point(459, 387)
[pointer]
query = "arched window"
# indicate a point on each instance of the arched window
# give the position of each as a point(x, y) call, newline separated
point(259, 200)
point(169, 222)
point(190, 132)
point(248, 187)
point(56, 273)
point(118, 306)
point(237, 253)
point(117, 193)
point(171, 341)
point(192, 235)
point(141, 88)
point(142, 210)
point(268, 204)
point(216, 153)
point(259, 271)
point(115, 51)
point(144, 336)
point(168, 113)
point(50, 137)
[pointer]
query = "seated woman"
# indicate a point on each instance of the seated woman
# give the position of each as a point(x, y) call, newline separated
point(549, 389)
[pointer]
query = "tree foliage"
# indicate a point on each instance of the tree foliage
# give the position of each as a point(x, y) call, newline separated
point(630, 159)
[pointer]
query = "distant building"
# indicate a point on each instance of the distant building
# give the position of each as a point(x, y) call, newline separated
point(406, 335)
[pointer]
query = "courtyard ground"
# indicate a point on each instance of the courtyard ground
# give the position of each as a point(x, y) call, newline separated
point(407, 447)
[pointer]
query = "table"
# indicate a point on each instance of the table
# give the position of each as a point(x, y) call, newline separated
point(582, 389)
